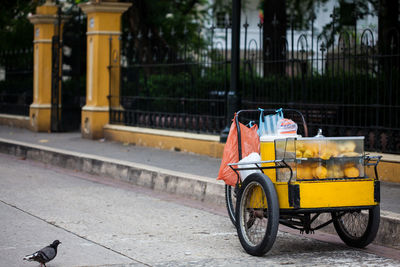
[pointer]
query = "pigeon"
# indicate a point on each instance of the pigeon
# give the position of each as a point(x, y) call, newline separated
point(44, 255)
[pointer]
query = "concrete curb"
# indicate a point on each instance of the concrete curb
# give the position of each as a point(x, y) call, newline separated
point(195, 187)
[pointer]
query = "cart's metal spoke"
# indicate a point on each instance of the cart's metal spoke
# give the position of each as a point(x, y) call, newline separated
point(355, 223)
point(255, 222)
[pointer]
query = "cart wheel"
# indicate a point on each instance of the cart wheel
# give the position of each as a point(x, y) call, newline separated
point(230, 197)
point(257, 214)
point(356, 228)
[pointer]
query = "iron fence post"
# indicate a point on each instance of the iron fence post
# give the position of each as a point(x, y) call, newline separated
point(232, 99)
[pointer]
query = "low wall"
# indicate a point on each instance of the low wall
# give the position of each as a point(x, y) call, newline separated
point(15, 121)
point(388, 168)
point(202, 144)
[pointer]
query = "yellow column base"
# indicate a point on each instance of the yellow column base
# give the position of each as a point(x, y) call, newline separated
point(40, 118)
point(93, 121)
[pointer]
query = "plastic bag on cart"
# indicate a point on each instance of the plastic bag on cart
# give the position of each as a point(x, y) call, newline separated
point(269, 123)
point(286, 127)
point(250, 143)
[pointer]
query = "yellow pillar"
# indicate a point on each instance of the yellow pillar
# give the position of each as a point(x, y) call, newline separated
point(40, 109)
point(104, 24)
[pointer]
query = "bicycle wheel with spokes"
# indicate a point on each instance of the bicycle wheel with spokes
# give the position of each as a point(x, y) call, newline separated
point(257, 214)
point(230, 198)
point(357, 228)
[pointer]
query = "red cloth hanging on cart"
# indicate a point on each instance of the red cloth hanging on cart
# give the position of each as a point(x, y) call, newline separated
point(250, 143)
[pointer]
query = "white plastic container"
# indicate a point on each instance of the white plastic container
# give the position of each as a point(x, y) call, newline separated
point(253, 157)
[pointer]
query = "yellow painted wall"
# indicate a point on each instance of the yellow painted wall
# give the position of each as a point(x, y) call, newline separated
point(40, 109)
point(40, 119)
point(103, 32)
point(43, 89)
point(202, 147)
point(105, 21)
point(387, 171)
point(93, 123)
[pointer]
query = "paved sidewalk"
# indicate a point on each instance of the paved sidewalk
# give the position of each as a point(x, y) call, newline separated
point(171, 160)
point(186, 174)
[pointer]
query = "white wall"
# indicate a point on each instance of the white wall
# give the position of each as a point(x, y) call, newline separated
point(251, 13)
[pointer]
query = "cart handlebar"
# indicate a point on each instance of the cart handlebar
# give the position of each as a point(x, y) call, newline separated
point(373, 161)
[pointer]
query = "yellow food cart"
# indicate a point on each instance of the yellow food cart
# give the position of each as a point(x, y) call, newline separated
point(297, 180)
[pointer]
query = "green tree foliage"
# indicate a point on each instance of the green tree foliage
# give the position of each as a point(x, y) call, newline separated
point(164, 24)
point(15, 29)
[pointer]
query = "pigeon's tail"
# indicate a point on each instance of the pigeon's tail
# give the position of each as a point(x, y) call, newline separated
point(30, 257)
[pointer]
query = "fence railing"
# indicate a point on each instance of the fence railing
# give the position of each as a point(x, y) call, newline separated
point(348, 88)
point(345, 83)
point(182, 89)
point(16, 81)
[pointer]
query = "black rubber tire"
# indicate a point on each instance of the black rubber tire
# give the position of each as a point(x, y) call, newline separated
point(366, 225)
point(263, 222)
point(230, 199)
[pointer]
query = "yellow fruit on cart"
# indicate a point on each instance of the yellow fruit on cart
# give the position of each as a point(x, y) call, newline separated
point(326, 155)
point(332, 148)
point(308, 153)
point(321, 172)
point(300, 146)
point(304, 173)
point(351, 172)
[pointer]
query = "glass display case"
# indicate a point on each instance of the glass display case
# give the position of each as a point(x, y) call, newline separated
point(320, 158)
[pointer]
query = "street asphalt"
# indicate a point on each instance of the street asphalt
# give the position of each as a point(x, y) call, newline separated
point(101, 222)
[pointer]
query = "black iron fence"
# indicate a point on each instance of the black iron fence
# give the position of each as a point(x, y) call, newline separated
point(16, 81)
point(180, 88)
point(344, 83)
